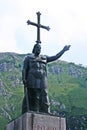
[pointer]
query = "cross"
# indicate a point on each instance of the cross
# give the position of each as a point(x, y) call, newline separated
point(38, 25)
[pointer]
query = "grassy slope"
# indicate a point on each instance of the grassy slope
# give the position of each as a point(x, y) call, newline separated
point(69, 90)
point(64, 89)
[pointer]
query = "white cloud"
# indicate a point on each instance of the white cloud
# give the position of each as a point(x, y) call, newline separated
point(66, 18)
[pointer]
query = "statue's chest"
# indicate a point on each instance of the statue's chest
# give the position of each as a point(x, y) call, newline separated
point(37, 63)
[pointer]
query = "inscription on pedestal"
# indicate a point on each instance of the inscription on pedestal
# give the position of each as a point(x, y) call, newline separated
point(46, 122)
point(40, 127)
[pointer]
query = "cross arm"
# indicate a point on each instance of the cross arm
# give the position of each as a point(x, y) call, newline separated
point(31, 23)
point(40, 26)
point(45, 27)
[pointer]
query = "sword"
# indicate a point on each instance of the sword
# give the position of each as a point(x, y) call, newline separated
point(27, 99)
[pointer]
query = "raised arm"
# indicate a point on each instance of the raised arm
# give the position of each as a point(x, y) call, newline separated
point(58, 55)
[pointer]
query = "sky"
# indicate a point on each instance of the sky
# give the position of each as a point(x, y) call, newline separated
point(67, 20)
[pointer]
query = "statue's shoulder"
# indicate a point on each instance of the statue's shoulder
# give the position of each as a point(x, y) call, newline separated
point(43, 56)
point(28, 56)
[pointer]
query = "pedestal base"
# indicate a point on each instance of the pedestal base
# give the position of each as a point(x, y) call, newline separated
point(33, 121)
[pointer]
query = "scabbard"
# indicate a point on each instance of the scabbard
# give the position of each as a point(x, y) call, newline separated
point(27, 99)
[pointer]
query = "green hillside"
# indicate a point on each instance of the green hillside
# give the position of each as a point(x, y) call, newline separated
point(68, 86)
point(67, 89)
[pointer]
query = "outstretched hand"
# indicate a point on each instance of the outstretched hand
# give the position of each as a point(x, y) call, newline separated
point(66, 48)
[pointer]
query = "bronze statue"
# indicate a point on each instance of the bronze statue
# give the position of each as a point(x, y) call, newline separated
point(34, 75)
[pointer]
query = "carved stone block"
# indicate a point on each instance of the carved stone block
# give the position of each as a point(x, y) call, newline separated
point(33, 121)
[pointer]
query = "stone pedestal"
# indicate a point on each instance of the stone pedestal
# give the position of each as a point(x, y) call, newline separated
point(33, 121)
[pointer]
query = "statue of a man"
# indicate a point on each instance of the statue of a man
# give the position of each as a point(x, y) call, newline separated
point(34, 75)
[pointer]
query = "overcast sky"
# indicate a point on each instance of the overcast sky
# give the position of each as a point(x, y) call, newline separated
point(66, 18)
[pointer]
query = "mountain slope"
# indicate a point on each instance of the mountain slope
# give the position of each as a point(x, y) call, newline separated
point(67, 88)
point(68, 85)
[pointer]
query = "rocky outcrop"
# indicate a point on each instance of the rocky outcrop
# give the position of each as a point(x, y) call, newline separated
point(5, 67)
point(56, 70)
point(75, 71)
